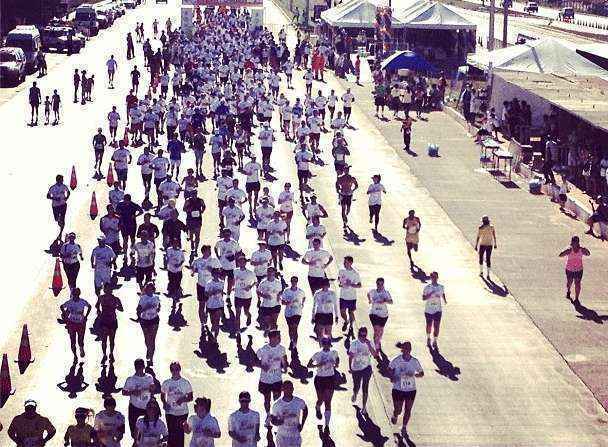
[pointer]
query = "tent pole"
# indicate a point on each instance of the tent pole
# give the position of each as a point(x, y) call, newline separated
point(491, 30)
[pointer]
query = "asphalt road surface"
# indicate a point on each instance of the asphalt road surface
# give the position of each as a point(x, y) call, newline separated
point(495, 381)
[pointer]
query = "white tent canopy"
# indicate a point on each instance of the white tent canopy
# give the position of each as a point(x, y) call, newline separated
point(432, 15)
point(421, 14)
point(355, 14)
point(538, 56)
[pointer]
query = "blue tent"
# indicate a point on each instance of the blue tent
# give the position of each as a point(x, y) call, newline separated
point(407, 59)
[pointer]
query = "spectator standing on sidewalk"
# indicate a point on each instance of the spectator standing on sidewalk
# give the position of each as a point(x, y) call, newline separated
point(574, 266)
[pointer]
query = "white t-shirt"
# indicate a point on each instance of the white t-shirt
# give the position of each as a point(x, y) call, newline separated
point(315, 232)
point(293, 301)
point(270, 357)
point(303, 158)
point(348, 99)
point(149, 435)
point(149, 305)
point(227, 251)
point(432, 305)
point(140, 388)
point(404, 379)
point(243, 278)
point(175, 259)
point(214, 291)
point(317, 260)
point(264, 216)
point(374, 193)
point(378, 299)
point(266, 137)
point(160, 166)
point(198, 426)
point(262, 257)
point(107, 427)
point(347, 278)
point(276, 232)
point(326, 361)
point(244, 424)
point(252, 170)
point(144, 161)
point(269, 292)
point(174, 390)
point(286, 201)
point(113, 118)
point(203, 266)
point(324, 301)
point(290, 413)
point(360, 354)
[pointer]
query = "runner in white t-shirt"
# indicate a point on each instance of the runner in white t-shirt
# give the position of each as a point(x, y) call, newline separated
point(378, 312)
point(272, 360)
point(432, 295)
point(204, 427)
point(244, 424)
point(359, 354)
point(293, 299)
point(325, 362)
point(374, 200)
point(175, 393)
point(404, 369)
point(349, 281)
point(288, 414)
point(285, 201)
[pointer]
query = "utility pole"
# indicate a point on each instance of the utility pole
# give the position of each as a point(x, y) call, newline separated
point(505, 22)
point(491, 30)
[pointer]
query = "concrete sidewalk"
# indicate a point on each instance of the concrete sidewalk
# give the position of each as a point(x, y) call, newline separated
point(530, 229)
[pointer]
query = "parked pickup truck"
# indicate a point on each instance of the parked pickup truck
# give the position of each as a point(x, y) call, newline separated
point(531, 7)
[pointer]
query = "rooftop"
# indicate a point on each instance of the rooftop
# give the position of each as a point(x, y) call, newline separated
point(582, 96)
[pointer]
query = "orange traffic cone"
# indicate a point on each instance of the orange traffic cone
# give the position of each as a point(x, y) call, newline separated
point(73, 181)
point(125, 139)
point(110, 177)
point(93, 209)
point(6, 388)
point(57, 283)
point(25, 353)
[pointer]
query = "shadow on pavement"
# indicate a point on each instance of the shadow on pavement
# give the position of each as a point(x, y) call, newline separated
point(74, 382)
point(351, 236)
point(419, 274)
point(371, 432)
point(325, 437)
point(496, 289)
point(106, 383)
point(246, 356)
point(444, 366)
point(176, 318)
point(298, 370)
point(382, 239)
point(588, 314)
point(209, 350)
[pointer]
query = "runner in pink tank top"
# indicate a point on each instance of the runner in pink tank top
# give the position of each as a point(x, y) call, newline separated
point(574, 266)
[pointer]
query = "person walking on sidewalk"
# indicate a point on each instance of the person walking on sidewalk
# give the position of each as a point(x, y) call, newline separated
point(412, 226)
point(485, 242)
point(574, 266)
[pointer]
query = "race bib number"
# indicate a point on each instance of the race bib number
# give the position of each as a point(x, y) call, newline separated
point(407, 382)
point(195, 214)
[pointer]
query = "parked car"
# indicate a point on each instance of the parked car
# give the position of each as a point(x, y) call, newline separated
point(12, 65)
point(58, 38)
point(161, 1)
point(129, 4)
point(85, 19)
point(102, 21)
point(566, 14)
point(531, 7)
point(26, 37)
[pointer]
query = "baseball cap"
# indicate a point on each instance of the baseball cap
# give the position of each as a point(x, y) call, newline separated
point(30, 403)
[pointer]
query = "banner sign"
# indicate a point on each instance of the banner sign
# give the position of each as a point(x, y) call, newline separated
point(224, 3)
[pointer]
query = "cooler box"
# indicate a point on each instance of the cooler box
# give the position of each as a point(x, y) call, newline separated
point(535, 185)
point(433, 150)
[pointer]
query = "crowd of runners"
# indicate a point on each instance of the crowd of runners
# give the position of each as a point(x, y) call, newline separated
point(226, 90)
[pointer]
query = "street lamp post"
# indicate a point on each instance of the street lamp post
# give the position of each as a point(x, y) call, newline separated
point(505, 22)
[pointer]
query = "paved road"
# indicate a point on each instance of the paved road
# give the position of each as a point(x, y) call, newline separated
point(498, 381)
